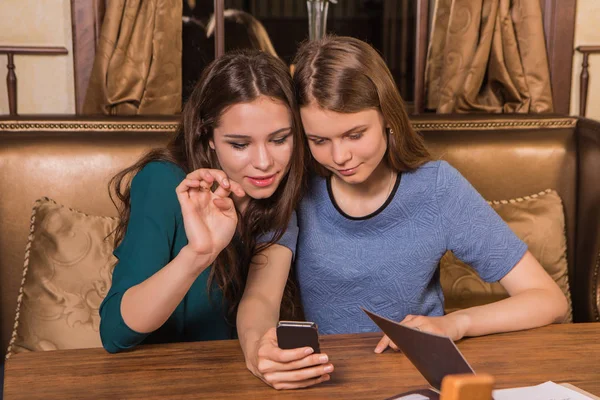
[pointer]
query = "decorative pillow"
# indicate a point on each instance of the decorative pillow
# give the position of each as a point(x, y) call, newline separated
point(539, 221)
point(66, 275)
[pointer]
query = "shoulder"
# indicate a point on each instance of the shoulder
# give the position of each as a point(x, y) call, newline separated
point(450, 179)
point(427, 169)
point(159, 173)
point(156, 183)
point(426, 174)
point(317, 187)
point(439, 173)
point(432, 165)
point(435, 180)
point(315, 200)
point(316, 180)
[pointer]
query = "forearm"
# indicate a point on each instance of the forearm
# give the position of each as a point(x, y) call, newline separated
point(146, 306)
point(256, 315)
point(529, 309)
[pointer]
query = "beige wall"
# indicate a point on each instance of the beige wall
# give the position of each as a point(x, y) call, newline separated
point(587, 32)
point(45, 83)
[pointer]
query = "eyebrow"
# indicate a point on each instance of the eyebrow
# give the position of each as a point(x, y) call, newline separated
point(236, 136)
point(356, 128)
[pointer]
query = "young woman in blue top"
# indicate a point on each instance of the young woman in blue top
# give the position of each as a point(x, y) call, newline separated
point(380, 214)
point(184, 249)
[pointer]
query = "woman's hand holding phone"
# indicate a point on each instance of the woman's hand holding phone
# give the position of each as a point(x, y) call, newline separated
point(288, 369)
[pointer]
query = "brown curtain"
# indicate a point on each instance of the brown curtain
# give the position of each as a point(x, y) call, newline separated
point(137, 69)
point(488, 56)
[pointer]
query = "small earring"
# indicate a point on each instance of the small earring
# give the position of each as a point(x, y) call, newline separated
point(391, 131)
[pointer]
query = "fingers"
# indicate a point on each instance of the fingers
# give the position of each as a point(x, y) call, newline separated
point(233, 187)
point(224, 204)
point(271, 358)
point(298, 378)
point(408, 318)
point(269, 349)
point(210, 176)
point(237, 189)
point(301, 384)
point(207, 177)
point(290, 369)
point(271, 334)
point(187, 189)
point(272, 352)
point(382, 345)
point(428, 324)
point(414, 321)
point(266, 365)
point(385, 341)
point(186, 185)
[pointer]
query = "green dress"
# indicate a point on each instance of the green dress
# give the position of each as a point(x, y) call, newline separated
point(155, 235)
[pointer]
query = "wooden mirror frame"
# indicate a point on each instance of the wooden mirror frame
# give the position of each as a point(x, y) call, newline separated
point(86, 23)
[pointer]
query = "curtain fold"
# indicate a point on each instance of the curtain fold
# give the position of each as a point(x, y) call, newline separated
point(137, 68)
point(488, 56)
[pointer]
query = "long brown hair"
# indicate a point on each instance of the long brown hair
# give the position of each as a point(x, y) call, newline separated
point(236, 77)
point(346, 75)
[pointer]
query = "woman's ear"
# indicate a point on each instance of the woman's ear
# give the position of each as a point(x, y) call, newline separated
point(211, 144)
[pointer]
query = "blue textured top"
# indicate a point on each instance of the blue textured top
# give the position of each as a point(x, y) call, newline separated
point(155, 235)
point(388, 261)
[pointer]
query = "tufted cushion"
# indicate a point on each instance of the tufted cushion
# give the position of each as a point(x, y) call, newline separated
point(539, 221)
point(67, 273)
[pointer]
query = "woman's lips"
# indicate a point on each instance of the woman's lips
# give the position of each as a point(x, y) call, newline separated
point(348, 172)
point(262, 181)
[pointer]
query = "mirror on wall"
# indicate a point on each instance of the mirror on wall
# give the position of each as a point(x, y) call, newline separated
point(279, 26)
point(197, 48)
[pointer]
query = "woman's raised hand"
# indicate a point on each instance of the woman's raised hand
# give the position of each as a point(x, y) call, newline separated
point(210, 218)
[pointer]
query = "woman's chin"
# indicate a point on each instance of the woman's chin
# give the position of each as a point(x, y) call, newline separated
point(355, 179)
point(260, 193)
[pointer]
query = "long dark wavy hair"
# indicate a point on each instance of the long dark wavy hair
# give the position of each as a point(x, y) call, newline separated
point(236, 77)
point(347, 75)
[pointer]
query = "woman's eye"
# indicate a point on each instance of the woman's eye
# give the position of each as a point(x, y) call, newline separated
point(318, 141)
point(281, 140)
point(355, 136)
point(239, 146)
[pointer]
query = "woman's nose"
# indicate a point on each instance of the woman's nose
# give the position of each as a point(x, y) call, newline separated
point(262, 159)
point(340, 154)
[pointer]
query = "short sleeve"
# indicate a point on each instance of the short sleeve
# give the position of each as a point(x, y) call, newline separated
point(145, 249)
point(474, 232)
point(289, 237)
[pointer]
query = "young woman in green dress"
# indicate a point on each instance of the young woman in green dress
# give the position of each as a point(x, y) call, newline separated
point(197, 212)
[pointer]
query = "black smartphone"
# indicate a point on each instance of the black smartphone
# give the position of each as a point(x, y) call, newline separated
point(295, 334)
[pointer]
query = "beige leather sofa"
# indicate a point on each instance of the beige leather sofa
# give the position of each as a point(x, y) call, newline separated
point(71, 160)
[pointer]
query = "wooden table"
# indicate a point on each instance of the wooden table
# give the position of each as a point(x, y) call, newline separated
point(216, 370)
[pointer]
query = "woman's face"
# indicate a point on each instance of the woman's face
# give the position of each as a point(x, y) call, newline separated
point(349, 145)
point(254, 143)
